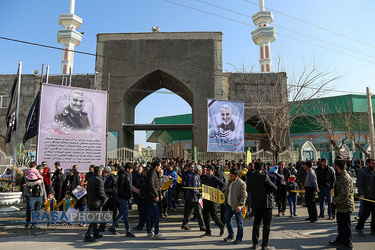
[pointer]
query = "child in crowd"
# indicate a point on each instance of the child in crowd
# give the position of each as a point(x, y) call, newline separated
point(32, 174)
point(50, 204)
point(67, 202)
point(290, 187)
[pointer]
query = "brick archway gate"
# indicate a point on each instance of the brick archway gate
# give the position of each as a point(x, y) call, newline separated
point(189, 64)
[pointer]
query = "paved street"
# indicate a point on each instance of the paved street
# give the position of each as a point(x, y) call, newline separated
point(286, 233)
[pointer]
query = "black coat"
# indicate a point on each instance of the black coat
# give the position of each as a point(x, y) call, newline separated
point(110, 186)
point(261, 189)
point(58, 178)
point(123, 189)
point(222, 176)
point(152, 188)
point(95, 192)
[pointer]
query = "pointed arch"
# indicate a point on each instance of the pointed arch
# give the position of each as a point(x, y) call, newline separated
point(268, 68)
point(267, 52)
point(154, 81)
point(261, 52)
point(262, 68)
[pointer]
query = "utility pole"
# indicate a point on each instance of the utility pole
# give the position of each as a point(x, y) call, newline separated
point(371, 122)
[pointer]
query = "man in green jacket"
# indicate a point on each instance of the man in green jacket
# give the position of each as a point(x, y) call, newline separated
point(235, 196)
point(344, 201)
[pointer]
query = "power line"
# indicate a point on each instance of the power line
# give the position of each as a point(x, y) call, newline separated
point(317, 26)
point(294, 31)
point(300, 40)
point(145, 63)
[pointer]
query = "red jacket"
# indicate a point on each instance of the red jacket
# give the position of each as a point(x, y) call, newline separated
point(47, 176)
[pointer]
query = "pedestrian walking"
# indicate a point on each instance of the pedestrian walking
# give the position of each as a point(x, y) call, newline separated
point(344, 201)
point(326, 178)
point(235, 196)
point(210, 207)
point(262, 201)
point(95, 196)
point(311, 187)
point(366, 190)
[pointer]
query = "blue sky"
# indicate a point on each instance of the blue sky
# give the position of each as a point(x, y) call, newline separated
point(37, 21)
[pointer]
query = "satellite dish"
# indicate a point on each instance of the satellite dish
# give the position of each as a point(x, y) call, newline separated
point(35, 72)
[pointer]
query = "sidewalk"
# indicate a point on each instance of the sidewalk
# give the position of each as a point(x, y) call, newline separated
point(286, 233)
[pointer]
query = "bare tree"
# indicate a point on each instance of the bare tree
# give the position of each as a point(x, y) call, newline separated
point(338, 115)
point(276, 103)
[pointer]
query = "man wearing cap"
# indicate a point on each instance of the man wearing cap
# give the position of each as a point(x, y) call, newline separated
point(210, 207)
point(110, 189)
point(58, 181)
point(193, 196)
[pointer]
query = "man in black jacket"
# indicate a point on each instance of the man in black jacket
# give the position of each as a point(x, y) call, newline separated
point(95, 195)
point(219, 173)
point(110, 189)
point(123, 196)
point(58, 181)
point(152, 197)
point(325, 176)
point(210, 207)
point(261, 188)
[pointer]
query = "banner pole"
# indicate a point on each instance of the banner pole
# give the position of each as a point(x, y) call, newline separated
point(106, 133)
point(17, 112)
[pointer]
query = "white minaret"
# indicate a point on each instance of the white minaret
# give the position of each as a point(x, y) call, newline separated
point(264, 36)
point(69, 37)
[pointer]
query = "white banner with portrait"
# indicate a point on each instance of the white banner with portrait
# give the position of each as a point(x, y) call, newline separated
point(72, 127)
point(226, 131)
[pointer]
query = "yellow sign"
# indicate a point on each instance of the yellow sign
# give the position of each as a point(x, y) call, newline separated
point(212, 194)
point(179, 179)
point(243, 172)
point(244, 211)
point(227, 173)
point(248, 157)
point(166, 185)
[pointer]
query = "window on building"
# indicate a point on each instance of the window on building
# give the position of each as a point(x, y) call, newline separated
point(3, 100)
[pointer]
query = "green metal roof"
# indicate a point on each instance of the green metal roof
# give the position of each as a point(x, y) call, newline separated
point(166, 137)
point(332, 106)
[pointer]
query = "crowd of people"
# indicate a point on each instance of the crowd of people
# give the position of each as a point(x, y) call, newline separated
point(251, 187)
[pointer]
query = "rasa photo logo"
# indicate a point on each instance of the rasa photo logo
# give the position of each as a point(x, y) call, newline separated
point(71, 217)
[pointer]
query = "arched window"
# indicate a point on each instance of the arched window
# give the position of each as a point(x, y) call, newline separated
point(262, 68)
point(64, 69)
point(3, 100)
point(261, 52)
point(268, 68)
point(267, 52)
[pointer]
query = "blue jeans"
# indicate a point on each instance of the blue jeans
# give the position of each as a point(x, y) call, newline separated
point(228, 221)
point(293, 204)
point(33, 204)
point(325, 194)
point(152, 215)
point(171, 202)
point(123, 214)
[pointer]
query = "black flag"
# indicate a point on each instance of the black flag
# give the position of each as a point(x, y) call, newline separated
point(32, 120)
point(11, 114)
